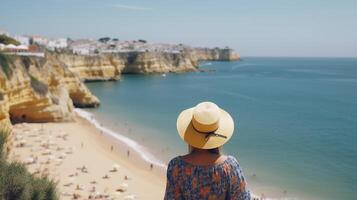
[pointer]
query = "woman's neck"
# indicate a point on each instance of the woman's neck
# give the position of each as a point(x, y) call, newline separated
point(200, 151)
point(215, 152)
point(203, 157)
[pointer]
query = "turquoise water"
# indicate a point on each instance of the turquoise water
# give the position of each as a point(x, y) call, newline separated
point(296, 119)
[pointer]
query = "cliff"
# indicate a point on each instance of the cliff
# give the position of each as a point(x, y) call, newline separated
point(162, 62)
point(156, 62)
point(78, 91)
point(43, 89)
point(106, 67)
point(216, 54)
point(93, 67)
point(109, 66)
point(35, 89)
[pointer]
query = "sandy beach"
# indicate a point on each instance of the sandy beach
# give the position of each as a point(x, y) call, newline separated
point(86, 164)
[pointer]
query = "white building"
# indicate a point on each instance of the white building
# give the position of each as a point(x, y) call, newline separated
point(57, 43)
point(84, 46)
point(81, 50)
point(40, 40)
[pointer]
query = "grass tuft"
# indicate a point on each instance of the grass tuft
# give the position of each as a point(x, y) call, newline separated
point(5, 65)
point(17, 183)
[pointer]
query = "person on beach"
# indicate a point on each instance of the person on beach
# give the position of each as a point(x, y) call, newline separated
point(205, 172)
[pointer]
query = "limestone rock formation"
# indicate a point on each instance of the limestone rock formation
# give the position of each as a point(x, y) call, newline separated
point(109, 66)
point(28, 97)
point(216, 54)
point(93, 67)
point(35, 89)
point(156, 62)
point(79, 93)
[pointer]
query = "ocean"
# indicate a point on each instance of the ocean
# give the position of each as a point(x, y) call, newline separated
point(296, 119)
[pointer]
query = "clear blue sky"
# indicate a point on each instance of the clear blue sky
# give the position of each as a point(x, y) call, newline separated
point(253, 27)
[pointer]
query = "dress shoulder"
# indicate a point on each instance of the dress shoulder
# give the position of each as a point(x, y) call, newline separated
point(174, 161)
point(233, 161)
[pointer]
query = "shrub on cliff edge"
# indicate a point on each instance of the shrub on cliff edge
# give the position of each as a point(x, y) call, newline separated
point(5, 65)
point(4, 39)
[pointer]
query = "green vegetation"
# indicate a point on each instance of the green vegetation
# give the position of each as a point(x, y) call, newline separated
point(5, 64)
point(17, 183)
point(8, 40)
point(104, 39)
point(4, 135)
point(39, 87)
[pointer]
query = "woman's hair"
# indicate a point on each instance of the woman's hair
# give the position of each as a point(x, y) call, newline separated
point(217, 150)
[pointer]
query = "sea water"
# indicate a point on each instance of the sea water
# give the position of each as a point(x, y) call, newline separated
point(295, 119)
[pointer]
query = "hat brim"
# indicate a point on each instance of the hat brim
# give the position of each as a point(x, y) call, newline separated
point(199, 140)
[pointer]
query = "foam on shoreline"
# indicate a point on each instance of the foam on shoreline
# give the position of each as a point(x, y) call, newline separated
point(141, 150)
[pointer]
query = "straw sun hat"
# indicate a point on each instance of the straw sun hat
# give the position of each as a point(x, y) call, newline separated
point(205, 126)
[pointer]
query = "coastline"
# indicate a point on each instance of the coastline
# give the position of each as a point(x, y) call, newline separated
point(146, 157)
point(123, 141)
point(61, 150)
point(85, 142)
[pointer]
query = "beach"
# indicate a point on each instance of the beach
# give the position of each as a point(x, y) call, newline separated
point(85, 163)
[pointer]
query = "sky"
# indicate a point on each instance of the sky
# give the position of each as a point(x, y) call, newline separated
point(316, 28)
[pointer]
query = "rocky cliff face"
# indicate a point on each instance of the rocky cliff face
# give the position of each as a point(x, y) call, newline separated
point(34, 89)
point(78, 92)
point(156, 62)
point(216, 54)
point(110, 66)
point(92, 68)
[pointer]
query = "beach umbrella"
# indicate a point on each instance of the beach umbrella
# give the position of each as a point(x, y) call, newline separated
point(116, 166)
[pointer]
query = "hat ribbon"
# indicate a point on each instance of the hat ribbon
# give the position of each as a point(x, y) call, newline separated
point(211, 133)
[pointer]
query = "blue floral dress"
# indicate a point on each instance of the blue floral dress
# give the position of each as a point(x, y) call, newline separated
point(221, 181)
